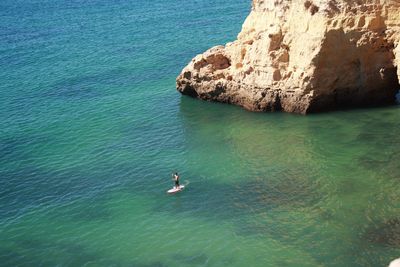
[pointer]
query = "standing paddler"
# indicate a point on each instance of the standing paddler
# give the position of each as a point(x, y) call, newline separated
point(175, 177)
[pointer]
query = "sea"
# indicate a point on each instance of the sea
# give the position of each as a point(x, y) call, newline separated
point(92, 127)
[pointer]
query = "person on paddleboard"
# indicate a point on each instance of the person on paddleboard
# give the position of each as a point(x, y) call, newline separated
point(176, 179)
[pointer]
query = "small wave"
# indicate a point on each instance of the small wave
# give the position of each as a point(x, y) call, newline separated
point(187, 182)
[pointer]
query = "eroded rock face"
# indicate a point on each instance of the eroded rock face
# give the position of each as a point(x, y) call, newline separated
point(304, 56)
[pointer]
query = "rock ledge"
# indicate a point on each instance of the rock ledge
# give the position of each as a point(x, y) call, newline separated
point(304, 56)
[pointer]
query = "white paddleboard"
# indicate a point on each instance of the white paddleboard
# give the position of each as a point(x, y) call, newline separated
point(175, 190)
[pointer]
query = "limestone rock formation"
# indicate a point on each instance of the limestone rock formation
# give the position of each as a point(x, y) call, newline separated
point(395, 263)
point(304, 56)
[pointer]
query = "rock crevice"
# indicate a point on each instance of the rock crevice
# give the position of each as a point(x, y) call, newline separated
point(304, 56)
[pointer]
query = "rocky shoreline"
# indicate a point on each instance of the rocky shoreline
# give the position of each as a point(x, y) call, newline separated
point(304, 56)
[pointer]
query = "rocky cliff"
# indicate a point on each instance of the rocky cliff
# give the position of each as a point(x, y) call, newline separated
point(304, 56)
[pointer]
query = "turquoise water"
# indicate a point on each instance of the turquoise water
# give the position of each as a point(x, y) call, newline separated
point(92, 127)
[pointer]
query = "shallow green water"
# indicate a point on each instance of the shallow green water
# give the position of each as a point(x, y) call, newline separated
point(92, 128)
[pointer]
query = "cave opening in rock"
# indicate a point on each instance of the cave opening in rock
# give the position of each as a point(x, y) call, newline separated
point(397, 96)
point(389, 89)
